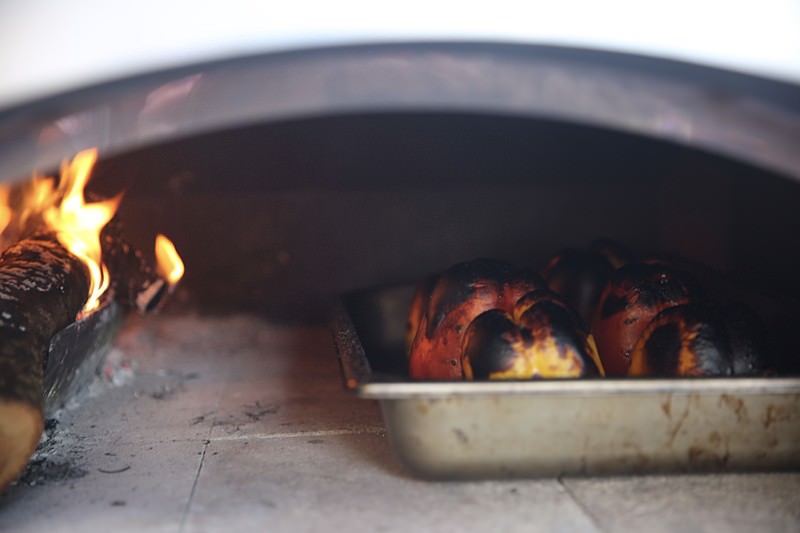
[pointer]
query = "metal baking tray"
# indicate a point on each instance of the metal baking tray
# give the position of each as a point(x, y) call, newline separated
point(474, 430)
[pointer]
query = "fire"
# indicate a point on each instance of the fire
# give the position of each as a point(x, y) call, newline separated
point(170, 265)
point(78, 224)
point(39, 195)
point(6, 213)
point(61, 209)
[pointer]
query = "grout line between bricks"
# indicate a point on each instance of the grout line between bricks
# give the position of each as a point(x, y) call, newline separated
point(585, 510)
point(206, 442)
point(188, 507)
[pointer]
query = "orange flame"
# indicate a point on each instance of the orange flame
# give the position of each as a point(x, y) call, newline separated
point(78, 224)
point(6, 213)
point(39, 195)
point(170, 264)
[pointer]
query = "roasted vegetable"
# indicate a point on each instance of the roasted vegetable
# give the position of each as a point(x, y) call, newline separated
point(485, 319)
point(747, 336)
point(543, 338)
point(634, 295)
point(685, 340)
point(421, 296)
point(540, 298)
point(459, 295)
point(748, 339)
point(579, 277)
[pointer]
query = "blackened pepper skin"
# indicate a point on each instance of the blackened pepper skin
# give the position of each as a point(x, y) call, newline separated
point(579, 277)
point(542, 338)
point(747, 335)
point(683, 341)
point(634, 295)
point(458, 295)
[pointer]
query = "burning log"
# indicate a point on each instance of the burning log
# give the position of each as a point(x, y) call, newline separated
point(42, 289)
point(134, 282)
point(66, 258)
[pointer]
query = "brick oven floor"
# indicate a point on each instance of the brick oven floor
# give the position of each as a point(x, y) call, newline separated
point(235, 424)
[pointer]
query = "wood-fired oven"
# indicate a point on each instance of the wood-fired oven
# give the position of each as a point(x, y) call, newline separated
point(289, 179)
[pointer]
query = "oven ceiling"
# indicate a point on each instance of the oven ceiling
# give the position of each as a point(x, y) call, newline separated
point(50, 47)
point(746, 118)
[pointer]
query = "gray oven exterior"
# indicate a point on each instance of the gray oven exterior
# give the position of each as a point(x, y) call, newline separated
point(750, 119)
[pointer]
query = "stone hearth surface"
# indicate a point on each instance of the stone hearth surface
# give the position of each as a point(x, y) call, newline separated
point(208, 423)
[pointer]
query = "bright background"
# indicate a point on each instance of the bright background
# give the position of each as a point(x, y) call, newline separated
point(48, 46)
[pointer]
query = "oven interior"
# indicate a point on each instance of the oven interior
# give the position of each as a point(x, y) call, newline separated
point(280, 219)
point(237, 390)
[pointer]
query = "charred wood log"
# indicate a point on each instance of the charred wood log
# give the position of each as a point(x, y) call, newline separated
point(134, 281)
point(42, 289)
